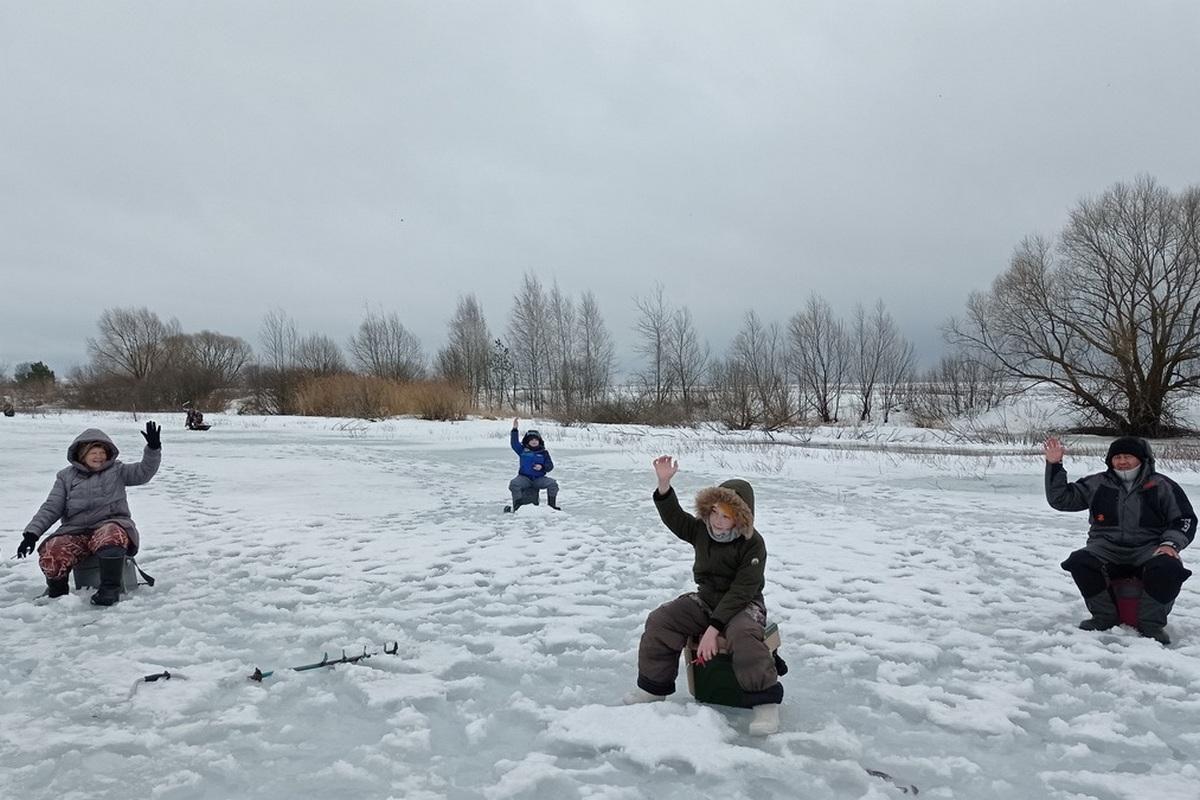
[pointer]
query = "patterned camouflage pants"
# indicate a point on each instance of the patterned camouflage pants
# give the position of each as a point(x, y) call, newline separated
point(59, 554)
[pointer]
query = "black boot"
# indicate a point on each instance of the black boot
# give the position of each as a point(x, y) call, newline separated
point(57, 587)
point(1155, 632)
point(1104, 612)
point(552, 501)
point(1152, 617)
point(112, 570)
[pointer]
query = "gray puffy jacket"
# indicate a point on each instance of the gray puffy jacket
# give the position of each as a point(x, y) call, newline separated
point(84, 500)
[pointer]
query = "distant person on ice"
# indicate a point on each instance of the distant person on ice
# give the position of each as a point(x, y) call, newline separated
point(194, 421)
point(729, 570)
point(532, 471)
point(89, 498)
point(1139, 521)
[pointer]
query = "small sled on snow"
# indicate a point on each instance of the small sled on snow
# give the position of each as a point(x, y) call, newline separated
point(194, 420)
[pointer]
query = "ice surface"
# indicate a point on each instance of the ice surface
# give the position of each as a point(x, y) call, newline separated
point(929, 630)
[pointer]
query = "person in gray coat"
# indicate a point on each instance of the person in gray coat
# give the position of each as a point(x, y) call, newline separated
point(89, 498)
point(1139, 519)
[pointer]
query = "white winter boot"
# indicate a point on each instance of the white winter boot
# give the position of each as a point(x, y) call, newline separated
point(640, 695)
point(766, 720)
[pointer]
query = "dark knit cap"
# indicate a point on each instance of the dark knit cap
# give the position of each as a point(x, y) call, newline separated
point(1128, 445)
point(533, 434)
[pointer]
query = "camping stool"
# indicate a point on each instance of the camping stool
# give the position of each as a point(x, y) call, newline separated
point(715, 682)
point(1127, 592)
point(87, 574)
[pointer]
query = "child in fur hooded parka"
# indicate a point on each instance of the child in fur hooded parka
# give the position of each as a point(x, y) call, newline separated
point(729, 565)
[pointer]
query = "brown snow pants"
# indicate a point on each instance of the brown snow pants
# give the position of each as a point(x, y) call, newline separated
point(669, 627)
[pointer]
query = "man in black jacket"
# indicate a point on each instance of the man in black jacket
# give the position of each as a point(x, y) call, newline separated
point(1139, 521)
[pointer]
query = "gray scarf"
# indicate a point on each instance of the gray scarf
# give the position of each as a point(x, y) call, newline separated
point(724, 537)
point(1128, 476)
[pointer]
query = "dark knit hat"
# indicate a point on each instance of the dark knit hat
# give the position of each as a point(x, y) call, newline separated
point(532, 434)
point(1128, 445)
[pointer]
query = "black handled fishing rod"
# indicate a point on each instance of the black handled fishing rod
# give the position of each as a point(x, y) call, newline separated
point(389, 648)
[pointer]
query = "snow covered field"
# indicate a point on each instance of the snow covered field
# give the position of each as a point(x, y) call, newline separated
point(929, 629)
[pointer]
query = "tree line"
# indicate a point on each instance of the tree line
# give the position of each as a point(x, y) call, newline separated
point(1106, 313)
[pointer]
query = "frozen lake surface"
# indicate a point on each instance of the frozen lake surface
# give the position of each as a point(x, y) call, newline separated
point(928, 627)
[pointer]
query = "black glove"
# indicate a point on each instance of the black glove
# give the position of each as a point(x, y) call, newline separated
point(153, 436)
point(27, 545)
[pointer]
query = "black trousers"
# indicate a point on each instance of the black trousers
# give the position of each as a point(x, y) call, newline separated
point(1162, 576)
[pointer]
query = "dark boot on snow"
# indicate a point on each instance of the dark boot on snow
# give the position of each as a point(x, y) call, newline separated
point(1155, 632)
point(112, 570)
point(57, 587)
point(1104, 612)
point(1152, 617)
point(1097, 624)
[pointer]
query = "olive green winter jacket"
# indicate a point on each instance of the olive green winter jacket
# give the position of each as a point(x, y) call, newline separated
point(729, 576)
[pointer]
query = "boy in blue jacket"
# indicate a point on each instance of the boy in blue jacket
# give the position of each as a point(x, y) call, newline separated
point(532, 472)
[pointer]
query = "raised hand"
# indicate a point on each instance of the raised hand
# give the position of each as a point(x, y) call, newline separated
point(665, 468)
point(515, 421)
point(153, 436)
point(1053, 450)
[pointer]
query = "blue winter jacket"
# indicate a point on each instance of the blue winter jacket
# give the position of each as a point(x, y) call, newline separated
point(530, 457)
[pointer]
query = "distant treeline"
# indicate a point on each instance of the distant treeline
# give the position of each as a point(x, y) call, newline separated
point(1107, 313)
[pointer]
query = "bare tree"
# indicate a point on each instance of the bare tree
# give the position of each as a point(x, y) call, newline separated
point(760, 354)
point(278, 340)
point(528, 336)
point(318, 355)
point(687, 358)
point(733, 394)
point(653, 330)
point(384, 348)
point(895, 375)
point(205, 362)
point(876, 351)
point(959, 386)
point(468, 348)
point(1110, 314)
point(503, 374)
point(819, 356)
point(219, 356)
point(596, 353)
point(133, 343)
point(561, 350)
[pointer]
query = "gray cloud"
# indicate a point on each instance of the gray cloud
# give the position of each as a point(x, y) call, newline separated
point(213, 161)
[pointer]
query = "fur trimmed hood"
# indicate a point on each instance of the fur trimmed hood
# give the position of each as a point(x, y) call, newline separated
point(738, 495)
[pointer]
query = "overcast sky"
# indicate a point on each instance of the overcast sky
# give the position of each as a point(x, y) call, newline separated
point(215, 160)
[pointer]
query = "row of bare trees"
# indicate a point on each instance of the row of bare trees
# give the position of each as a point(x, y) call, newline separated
point(556, 355)
point(1107, 312)
point(559, 348)
point(773, 375)
point(137, 359)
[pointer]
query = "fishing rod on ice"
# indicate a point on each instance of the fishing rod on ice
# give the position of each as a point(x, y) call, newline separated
point(259, 675)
